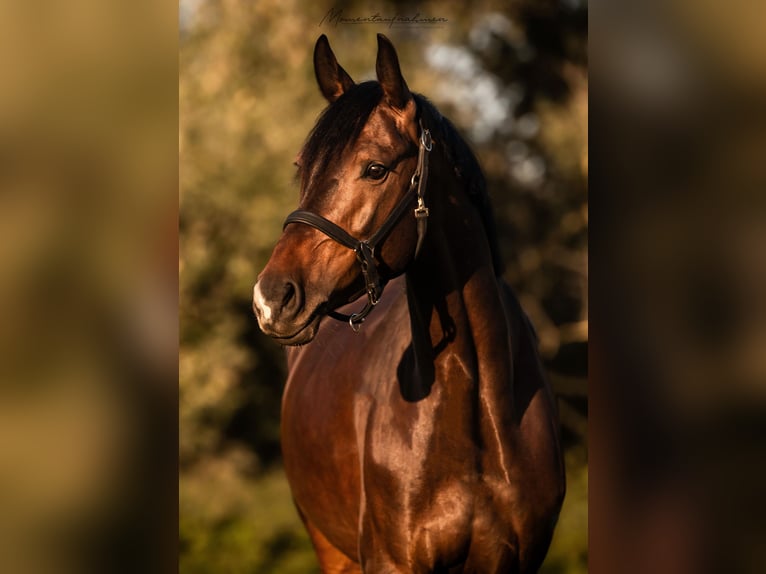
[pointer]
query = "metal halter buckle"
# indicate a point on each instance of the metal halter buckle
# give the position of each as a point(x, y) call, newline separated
point(421, 211)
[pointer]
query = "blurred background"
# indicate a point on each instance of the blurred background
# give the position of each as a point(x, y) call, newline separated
point(88, 286)
point(512, 76)
point(678, 287)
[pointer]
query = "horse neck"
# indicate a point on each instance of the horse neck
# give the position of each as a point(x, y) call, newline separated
point(459, 328)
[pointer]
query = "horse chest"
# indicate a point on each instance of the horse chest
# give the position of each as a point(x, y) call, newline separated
point(426, 500)
point(408, 485)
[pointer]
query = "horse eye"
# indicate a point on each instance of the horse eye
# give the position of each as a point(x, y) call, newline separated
point(375, 171)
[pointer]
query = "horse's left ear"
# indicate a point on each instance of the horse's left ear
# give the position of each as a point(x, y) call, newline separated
point(390, 76)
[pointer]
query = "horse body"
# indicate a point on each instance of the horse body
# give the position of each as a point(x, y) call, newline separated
point(427, 441)
point(411, 476)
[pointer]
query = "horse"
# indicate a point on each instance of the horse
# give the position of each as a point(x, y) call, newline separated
point(418, 433)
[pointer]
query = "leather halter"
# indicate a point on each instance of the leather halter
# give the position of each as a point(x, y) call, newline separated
point(365, 248)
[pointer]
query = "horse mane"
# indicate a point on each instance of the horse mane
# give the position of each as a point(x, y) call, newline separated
point(467, 170)
point(340, 124)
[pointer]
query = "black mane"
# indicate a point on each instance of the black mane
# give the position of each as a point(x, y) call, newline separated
point(467, 170)
point(341, 122)
point(339, 126)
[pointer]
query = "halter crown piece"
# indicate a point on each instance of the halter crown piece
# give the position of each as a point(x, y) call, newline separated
point(365, 248)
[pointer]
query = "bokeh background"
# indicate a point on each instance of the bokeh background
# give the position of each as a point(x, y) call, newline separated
point(678, 287)
point(513, 78)
point(88, 286)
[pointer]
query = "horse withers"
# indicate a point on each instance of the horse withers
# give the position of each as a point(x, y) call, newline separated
point(418, 431)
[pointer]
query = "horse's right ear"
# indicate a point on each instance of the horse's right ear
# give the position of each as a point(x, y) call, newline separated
point(332, 79)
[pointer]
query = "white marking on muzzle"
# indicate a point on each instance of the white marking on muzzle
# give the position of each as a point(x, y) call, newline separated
point(260, 303)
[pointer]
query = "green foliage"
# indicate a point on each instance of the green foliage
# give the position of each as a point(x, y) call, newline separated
point(248, 524)
point(568, 553)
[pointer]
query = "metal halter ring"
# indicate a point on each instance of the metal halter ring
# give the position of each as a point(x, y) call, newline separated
point(425, 139)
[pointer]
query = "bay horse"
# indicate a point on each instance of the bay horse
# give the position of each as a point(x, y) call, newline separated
point(418, 433)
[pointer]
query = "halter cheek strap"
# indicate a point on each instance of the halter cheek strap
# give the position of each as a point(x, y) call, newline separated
point(365, 248)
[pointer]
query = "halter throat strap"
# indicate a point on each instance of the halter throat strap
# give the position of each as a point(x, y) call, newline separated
point(365, 248)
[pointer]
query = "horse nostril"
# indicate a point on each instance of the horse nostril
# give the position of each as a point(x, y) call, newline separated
point(289, 294)
point(291, 298)
point(277, 299)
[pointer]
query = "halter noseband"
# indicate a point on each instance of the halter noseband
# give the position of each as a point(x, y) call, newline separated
point(365, 248)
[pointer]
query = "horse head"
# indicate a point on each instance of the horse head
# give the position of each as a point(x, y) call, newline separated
point(361, 171)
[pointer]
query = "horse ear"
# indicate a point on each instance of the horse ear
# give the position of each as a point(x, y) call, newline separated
point(332, 79)
point(390, 76)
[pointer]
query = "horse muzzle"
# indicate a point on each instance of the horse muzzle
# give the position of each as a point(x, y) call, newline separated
point(279, 305)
